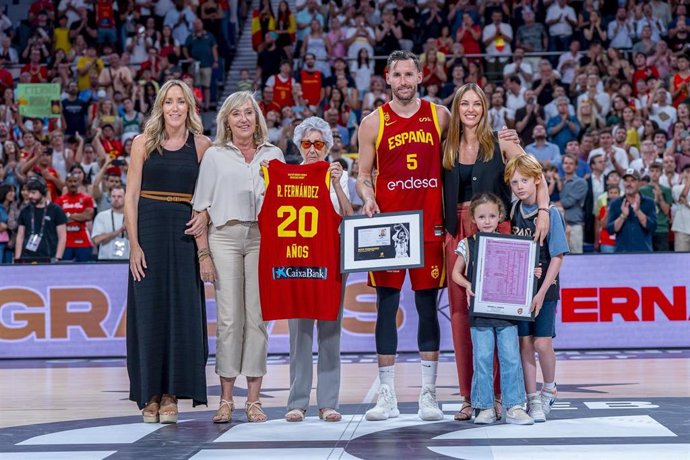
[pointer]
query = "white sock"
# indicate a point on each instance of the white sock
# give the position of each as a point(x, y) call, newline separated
point(532, 396)
point(429, 373)
point(549, 386)
point(387, 376)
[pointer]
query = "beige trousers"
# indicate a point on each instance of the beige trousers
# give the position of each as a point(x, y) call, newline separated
point(242, 339)
point(682, 242)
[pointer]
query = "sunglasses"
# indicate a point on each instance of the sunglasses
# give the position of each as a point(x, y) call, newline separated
point(318, 145)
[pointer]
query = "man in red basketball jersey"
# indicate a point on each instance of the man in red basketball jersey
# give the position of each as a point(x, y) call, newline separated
point(402, 140)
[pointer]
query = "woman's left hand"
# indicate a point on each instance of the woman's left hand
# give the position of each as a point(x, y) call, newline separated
point(198, 224)
point(509, 135)
point(543, 223)
point(336, 171)
point(207, 270)
point(264, 164)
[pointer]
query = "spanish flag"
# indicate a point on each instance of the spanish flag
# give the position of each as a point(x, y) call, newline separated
point(257, 33)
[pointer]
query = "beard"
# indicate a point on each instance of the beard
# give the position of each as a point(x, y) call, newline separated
point(406, 99)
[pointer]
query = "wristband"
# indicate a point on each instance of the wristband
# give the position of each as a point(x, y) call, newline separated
point(546, 210)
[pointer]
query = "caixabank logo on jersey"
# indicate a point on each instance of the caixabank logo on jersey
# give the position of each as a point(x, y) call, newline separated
point(317, 273)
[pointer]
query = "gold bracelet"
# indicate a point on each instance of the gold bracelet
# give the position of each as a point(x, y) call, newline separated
point(203, 252)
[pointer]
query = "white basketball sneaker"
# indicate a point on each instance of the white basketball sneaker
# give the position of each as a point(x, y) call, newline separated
point(535, 409)
point(548, 398)
point(485, 417)
point(516, 415)
point(386, 407)
point(428, 407)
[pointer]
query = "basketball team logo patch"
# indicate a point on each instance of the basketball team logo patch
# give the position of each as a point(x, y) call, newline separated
point(317, 273)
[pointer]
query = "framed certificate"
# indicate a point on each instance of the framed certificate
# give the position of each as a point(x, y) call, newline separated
point(389, 241)
point(504, 282)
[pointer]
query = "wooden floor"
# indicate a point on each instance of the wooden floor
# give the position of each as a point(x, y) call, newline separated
point(41, 398)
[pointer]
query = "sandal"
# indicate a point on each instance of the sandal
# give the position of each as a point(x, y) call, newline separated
point(330, 415)
point(222, 415)
point(465, 412)
point(295, 415)
point(255, 412)
point(150, 412)
point(498, 405)
point(168, 409)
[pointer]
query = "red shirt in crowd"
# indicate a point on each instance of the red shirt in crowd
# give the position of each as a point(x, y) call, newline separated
point(269, 107)
point(52, 189)
point(6, 80)
point(41, 5)
point(644, 74)
point(105, 15)
point(282, 92)
point(678, 80)
point(113, 147)
point(77, 233)
point(312, 83)
point(39, 73)
point(605, 239)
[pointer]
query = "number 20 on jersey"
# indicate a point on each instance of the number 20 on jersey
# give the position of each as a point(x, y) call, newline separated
point(307, 218)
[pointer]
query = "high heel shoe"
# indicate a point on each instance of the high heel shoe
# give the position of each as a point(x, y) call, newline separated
point(168, 409)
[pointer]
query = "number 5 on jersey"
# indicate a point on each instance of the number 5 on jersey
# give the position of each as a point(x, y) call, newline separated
point(307, 221)
point(411, 161)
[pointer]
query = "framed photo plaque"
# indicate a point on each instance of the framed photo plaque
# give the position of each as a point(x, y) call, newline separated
point(388, 241)
point(504, 282)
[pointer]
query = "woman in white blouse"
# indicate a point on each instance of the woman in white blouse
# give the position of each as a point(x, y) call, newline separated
point(230, 191)
point(314, 138)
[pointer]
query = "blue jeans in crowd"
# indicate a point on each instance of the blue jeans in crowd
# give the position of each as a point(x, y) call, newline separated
point(77, 254)
point(512, 381)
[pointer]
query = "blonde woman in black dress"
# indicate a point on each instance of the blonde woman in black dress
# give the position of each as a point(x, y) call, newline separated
point(167, 345)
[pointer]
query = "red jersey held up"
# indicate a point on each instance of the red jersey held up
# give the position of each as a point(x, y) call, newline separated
point(299, 259)
point(77, 234)
point(408, 165)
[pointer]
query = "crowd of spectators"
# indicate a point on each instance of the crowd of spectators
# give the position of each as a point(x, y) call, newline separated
point(109, 59)
point(597, 90)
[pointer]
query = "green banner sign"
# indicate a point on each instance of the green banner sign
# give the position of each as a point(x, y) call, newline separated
point(39, 100)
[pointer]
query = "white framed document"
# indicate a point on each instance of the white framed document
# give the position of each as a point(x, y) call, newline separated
point(503, 279)
point(388, 241)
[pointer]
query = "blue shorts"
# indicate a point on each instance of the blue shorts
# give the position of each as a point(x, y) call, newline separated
point(544, 325)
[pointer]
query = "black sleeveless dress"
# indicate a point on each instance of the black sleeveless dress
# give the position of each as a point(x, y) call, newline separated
point(167, 343)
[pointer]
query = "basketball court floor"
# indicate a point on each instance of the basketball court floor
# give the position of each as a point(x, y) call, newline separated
point(632, 404)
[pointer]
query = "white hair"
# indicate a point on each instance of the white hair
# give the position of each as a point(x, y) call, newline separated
point(314, 124)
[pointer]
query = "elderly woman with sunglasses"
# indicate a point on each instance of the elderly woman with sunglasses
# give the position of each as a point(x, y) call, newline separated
point(314, 138)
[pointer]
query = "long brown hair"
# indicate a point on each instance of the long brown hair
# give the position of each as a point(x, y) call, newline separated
point(451, 148)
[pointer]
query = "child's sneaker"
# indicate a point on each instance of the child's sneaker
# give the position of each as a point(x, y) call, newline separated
point(516, 415)
point(485, 417)
point(535, 409)
point(548, 397)
point(386, 407)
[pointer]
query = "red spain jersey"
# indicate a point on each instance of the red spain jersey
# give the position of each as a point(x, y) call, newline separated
point(77, 234)
point(408, 165)
point(299, 258)
point(312, 83)
point(282, 92)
